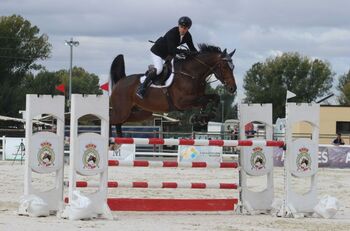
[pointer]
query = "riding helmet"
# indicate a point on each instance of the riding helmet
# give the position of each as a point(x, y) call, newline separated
point(185, 21)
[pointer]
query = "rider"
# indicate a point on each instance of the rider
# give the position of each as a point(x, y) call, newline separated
point(166, 47)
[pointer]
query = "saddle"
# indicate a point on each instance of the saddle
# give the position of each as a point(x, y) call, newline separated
point(163, 76)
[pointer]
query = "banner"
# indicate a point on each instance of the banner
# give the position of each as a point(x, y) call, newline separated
point(14, 148)
point(122, 152)
point(329, 156)
point(199, 153)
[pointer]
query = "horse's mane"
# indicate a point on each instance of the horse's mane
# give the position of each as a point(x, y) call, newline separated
point(206, 48)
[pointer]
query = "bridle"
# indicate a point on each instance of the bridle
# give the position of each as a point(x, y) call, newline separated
point(211, 69)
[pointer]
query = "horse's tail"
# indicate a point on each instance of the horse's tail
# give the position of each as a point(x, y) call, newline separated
point(117, 69)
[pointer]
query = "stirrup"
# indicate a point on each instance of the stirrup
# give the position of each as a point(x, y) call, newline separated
point(139, 95)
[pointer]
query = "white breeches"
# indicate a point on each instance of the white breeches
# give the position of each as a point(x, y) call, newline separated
point(157, 62)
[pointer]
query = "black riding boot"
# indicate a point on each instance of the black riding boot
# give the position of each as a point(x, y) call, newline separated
point(141, 90)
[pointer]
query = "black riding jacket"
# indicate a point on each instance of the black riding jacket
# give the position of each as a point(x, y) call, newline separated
point(167, 45)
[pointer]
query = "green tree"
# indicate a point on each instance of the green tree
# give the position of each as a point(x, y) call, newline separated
point(344, 88)
point(229, 109)
point(83, 82)
point(268, 82)
point(21, 45)
point(45, 82)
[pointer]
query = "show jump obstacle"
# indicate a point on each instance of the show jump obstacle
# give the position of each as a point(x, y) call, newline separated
point(89, 157)
point(44, 150)
point(256, 160)
point(301, 159)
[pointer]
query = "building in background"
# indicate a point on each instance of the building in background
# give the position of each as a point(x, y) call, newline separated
point(333, 119)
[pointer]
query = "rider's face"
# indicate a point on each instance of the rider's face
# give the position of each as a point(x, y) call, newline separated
point(183, 30)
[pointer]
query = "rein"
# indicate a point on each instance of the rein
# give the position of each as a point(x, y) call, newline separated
point(211, 69)
point(209, 82)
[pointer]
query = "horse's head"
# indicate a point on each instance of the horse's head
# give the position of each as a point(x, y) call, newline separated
point(223, 70)
point(220, 64)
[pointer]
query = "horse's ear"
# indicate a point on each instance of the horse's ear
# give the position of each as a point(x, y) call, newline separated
point(231, 54)
point(225, 52)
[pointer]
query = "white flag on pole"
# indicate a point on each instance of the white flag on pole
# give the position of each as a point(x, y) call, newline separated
point(290, 95)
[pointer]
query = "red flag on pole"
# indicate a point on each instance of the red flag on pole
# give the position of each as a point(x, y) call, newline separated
point(60, 88)
point(105, 86)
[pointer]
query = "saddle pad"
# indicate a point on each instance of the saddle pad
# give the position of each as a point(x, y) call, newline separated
point(167, 82)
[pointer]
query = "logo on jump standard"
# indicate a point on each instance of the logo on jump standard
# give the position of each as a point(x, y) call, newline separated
point(46, 155)
point(303, 160)
point(258, 159)
point(91, 158)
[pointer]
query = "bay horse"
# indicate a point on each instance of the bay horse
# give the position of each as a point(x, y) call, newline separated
point(186, 91)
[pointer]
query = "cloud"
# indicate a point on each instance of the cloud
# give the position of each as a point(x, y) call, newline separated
point(258, 29)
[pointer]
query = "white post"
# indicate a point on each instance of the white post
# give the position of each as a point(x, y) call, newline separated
point(256, 160)
point(44, 149)
point(89, 151)
point(3, 148)
point(301, 159)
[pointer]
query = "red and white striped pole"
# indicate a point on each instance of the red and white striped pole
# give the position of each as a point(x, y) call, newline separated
point(197, 142)
point(172, 164)
point(144, 184)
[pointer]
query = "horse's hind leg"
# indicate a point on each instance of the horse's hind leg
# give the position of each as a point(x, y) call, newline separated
point(133, 117)
point(118, 129)
point(118, 117)
point(137, 116)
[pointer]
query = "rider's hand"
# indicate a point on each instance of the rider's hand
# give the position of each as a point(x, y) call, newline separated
point(187, 52)
point(169, 58)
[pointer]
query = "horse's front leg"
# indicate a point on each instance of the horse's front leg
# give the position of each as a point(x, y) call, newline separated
point(197, 101)
point(205, 99)
point(215, 98)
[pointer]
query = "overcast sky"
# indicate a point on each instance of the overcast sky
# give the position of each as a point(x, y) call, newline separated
point(257, 28)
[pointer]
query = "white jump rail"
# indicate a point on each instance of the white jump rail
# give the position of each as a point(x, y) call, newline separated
point(145, 184)
point(172, 164)
point(197, 142)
